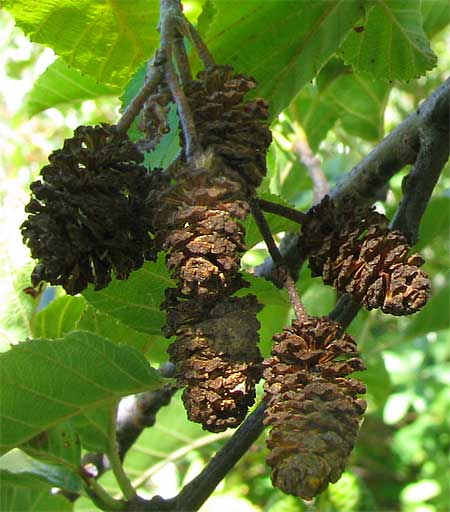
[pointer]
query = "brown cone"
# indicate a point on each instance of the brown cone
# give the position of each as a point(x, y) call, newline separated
point(88, 214)
point(313, 407)
point(357, 253)
point(236, 130)
point(218, 361)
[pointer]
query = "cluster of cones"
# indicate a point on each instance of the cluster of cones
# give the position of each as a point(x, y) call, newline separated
point(98, 212)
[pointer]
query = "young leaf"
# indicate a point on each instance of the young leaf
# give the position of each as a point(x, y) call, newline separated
point(136, 301)
point(62, 85)
point(45, 382)
point(391, 44)
point(17, 461)
point(106, 39)
point(59, 317)
point(282, 44)
point(30, 493)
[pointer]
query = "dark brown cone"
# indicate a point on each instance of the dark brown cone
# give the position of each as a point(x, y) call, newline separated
point(356, 252)
point(89, 215)
point(236, 130)
point(218, 361)
point(196, 221)
point(312, 406)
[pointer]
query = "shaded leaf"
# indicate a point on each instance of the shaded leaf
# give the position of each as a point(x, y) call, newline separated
point(57, 445)
point(392, 44)
point(95, 428)
point(154, 346)
point(282, 44)
point(59, 317)
point(136, 301)
point(17, 461)
point(436, 16)
point(47, 381)
point(61, 85)
point(169, 145)
point(30, 493)
point(105, 39)
point(355, 99)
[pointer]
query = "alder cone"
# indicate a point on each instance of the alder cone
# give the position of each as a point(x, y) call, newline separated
point(313, 408)
point(357, 253)
point(89, 215)
point(218, 361)
point(236, 130)
point(197, 220)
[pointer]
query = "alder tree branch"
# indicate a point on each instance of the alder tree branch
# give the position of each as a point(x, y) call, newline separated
point(283, 211)
point(418, 185)
point(154, 77)
point(401, 147)
point(411, 209)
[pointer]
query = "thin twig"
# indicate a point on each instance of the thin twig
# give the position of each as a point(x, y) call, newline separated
point(399, 148)
point(169, 27)
point(116, 464)
point(154, 77)
point(181, 58)
point(202, 50)
point(196, 492)
point(283, 211)
point(283, 271)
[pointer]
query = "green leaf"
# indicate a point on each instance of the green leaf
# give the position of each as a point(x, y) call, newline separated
point(392, 44)
point(30, 493)
point(154, 346)
point(276, 311)
point(61, 85)
point(136, 301)
point(436, 16)
point(95, 428)
point(106, 39)
point(45, 382)
point(277, 223)
point(435, 222)
point(59, 317)
point(282, 44)
point(57, 445)
point(17, 461)
point(355, 99)
point(17, 312)
point(169, 145)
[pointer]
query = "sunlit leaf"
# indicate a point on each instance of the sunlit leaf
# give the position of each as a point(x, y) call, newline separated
point(60, 85)
point(282, 44)
point(391, 43)
point(59, 317)
point(47, 381)
point(106, 39)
